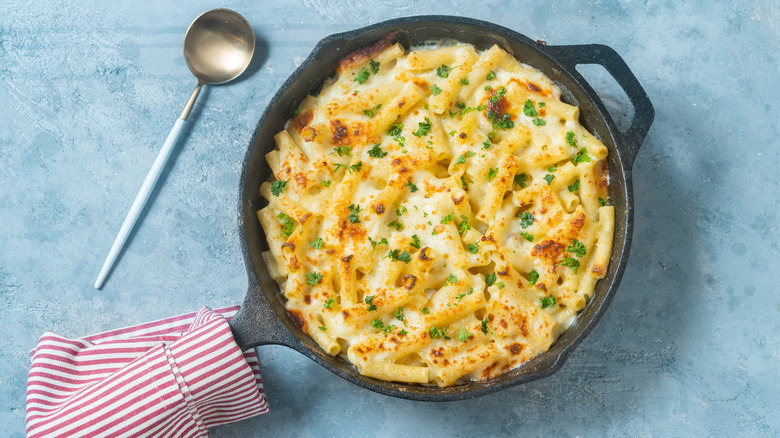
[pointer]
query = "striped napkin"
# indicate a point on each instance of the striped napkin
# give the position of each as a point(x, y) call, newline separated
point(177, 377)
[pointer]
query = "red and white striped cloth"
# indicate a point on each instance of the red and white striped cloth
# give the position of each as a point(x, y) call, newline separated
point(177, 377)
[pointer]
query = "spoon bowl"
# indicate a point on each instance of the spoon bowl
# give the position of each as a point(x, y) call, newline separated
point(218, 46)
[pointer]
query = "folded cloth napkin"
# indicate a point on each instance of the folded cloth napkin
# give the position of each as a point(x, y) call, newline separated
point(177, 377)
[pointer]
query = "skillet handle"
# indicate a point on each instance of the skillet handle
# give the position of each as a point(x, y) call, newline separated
point(257, 324)
point(571, 56)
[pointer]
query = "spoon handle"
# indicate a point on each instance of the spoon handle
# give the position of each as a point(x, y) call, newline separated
point(140, 200)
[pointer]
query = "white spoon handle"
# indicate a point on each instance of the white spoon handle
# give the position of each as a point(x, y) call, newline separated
point(140, 200)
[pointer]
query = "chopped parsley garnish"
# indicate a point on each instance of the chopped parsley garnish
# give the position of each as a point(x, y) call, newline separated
point(520, 180)
point(362, 77)
point(397, 225)
point(449, 218)
point(473, 248)
point(312, 278)
point(464, 81)
point(498, 95)
point(570, 139)
point(552, 168)
point(463, 182)
point(574, 186)
point(549, 178)
point(353, 216)
point(327, 182)
point(526, 219)
point(463, 226)
point(423, 128)
point(541, 104)
point(328, 303)
point(374, 243)
point(343, 150)
point(395, 130)
point(317, 243)
point(451, 279)
point(547, 301)
point(539, 122)
point(500, 285)
point(463, 335)
point(604, 202)
point(470, 154)
point(527, 236)
point(398, 255)
point(461, 159)
point(435, 90)
point(529, 110)
point(492, 173)
point(379, 324)
point(277, 187)
point(403, 332)
point(369, 299)
point(353, 168)
point(297, 112)
point(376, 152)
point(533, 276)
point(436, 332)
point(322, 327)
point(400, 210)
point(582, 156)
point(425, 310)
point(453, 132)
point(491, 75)
point(412, 187)
point(577, 248)
point(399, 314)
point(416, 241)
point(371, 112)
point(490, 279)
point(443, 71)
point(461, 296)
point(374, 65)
point(500, 122)
point(571, 262)
point(486, 327)
point(288, 225)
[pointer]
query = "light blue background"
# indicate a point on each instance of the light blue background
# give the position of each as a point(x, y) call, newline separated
point(90, 89)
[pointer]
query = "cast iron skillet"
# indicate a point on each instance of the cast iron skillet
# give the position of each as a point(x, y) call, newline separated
point(262, 319)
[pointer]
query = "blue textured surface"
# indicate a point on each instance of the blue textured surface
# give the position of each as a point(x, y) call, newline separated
point(89, 90)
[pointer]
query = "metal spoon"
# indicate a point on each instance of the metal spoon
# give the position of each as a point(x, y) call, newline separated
point(217, 47)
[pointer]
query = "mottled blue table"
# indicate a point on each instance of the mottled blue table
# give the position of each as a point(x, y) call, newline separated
point(89, 90)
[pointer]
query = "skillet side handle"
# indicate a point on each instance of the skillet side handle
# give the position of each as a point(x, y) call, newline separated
point(257, 324)
point(571, 56)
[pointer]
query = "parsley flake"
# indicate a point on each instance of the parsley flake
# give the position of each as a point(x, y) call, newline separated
point(353, 216)
point(369, 299)
point(549, 178)
point(571, 262)
point(411, 186)
point(520, 180)
point(533, 276)
point(490, 279)
point(395, 130)
point(376, 152)
point(398, 255)
point(374, 243)
point(486, 327)
point(463, 335)
point(491, 75)
point(486, 144)
point(399, 314)
point(464, 81)
point(461, 160)
point(582, 156)
point(371, 112)
point(416, 241)
point(374, 65)
point(539, 122)
point(574, 186)
point(527, 236)
point(423, 128)
point(288, 225)
point(570, 139)
point(463, 226)
point(492, 173)
point(577, 248)
point(277, 187)
point(379, 324)
point(435, 90)
point(529, 110)
point(400, 210)
point(451, 279)
point(321, 327)
point(326, 183)
point(449, 218)
point(328, 303)
point(312, 278)
point(473, 248)
point(343, 150)
point(362, 77)
point(526, 219)
point(547, 301)
point(425, 310)
point(403, 332)
point(604, 202)
point(443, 71)
point(317, 243)
point(436, 332)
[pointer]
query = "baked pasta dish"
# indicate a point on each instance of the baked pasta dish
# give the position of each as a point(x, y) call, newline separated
point(436, 215)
